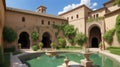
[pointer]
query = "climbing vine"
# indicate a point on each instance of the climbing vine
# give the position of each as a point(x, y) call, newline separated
point(117, 26)
point(108, 36)
point(34, 36)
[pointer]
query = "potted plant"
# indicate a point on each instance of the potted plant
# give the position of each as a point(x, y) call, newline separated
point(40, 44)
point(53, 45)
point(19, 45)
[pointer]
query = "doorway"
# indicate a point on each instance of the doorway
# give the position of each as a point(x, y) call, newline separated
point(95, 37)
point(24, 40)
point(46, 40)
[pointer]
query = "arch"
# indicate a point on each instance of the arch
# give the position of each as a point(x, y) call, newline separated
point(94, 37)
point(46, 40)
point(24, 40)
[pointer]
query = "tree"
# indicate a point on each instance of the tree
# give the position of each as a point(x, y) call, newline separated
point(117, 26)
point(69, 31)
point(9, 34)
point(61, 42)
point(34, 36)
point(80, 38)
point(116, 2)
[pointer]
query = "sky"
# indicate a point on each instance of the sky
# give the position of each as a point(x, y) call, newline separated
point(54, 7)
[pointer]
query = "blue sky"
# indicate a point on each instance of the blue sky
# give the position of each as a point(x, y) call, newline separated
point(54, 6)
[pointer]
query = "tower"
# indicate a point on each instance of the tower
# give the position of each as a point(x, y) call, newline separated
point(41, 9)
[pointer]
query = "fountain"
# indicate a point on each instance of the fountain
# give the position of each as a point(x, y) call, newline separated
point(86, 62)
point(66, 61)
point(51, 53)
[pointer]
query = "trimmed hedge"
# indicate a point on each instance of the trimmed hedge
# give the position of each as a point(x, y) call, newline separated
point(114, 50)
point(11, 49)
point(108, 36)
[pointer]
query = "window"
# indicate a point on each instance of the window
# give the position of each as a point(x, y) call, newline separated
point(42, 21)
point(48, 22)
point(23, 19)
point(53, 22)
point(67, 18)
point(71, 17)
point(94, 16)
point(77, 16)
point(97, 15)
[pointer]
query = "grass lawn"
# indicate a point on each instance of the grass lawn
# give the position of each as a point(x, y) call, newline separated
point(71, 48)
point(114, 50)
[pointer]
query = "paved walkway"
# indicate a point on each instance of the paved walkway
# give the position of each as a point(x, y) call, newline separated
point(116, 57)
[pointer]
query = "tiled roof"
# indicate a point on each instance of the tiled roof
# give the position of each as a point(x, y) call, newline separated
point(34, 13)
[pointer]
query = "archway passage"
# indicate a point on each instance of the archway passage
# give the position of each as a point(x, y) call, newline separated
point(46, 40)
point(24, 40)
point(95, 37)
point(95, 42)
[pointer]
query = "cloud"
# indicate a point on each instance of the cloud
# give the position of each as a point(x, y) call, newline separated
point(94, 9)
point(72, 6)
point(93, 5)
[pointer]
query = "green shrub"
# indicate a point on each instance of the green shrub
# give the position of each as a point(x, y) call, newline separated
point(34, 47)
point(34, 36)
point(9, 34)
point(61, 42)
point(108, 36)
point(80, 38)
point(118, 27)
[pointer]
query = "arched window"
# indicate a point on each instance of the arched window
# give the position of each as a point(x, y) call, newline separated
point(71, 17)
point(23, 19)
point(77, 16)
point(97, 15)
point(42, 21)
point(48, 22)
point(67, 18)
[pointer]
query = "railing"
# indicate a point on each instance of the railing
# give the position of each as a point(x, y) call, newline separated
point(94, 19)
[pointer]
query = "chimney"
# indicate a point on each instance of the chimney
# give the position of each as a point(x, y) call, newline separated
point(41, 9)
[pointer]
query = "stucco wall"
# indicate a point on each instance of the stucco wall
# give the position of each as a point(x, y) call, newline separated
point(110, 22)
point(2, 19)
point(79, 22)
point(31, 23)
point(111, 7)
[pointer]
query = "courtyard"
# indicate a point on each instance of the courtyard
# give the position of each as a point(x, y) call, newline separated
point(83, 33)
